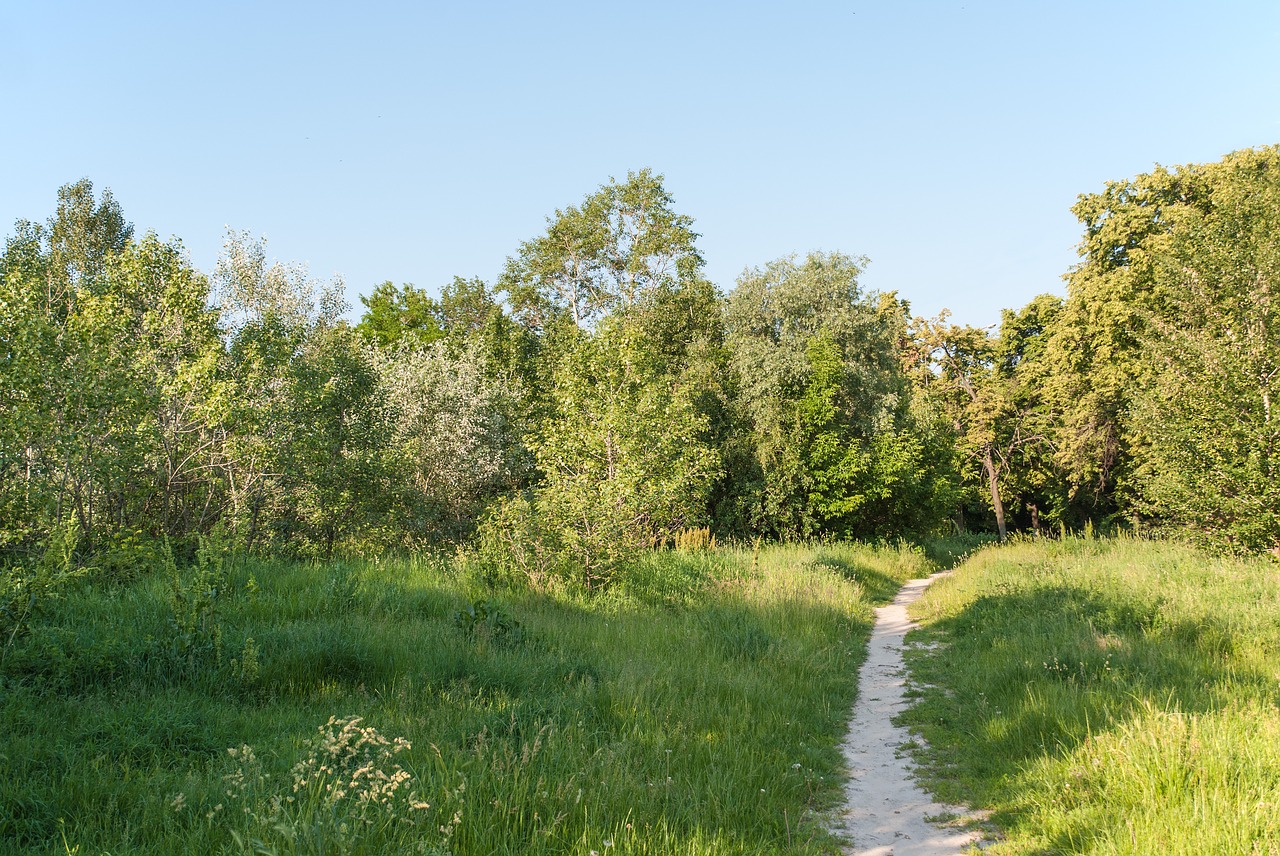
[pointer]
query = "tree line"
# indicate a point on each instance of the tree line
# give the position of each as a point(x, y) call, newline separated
point(602, 395)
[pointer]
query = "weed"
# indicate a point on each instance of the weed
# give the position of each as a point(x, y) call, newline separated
point(194, 594)
point(25, 588)
point(485, 621)
point(348, 793)
point(694, 540)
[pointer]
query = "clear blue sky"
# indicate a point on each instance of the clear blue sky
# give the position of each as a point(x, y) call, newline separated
point(415, 141)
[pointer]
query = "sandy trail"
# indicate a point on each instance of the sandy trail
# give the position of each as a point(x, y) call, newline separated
point(884, 809)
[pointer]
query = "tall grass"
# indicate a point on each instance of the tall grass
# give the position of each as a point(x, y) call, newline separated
point(1107, 696)
point(694, 708)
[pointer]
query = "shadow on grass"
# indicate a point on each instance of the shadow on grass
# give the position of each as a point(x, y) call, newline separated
point(950, 551)
point(879, 587)
point(1021, 676)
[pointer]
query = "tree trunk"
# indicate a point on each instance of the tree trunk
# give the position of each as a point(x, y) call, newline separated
point(989, 466)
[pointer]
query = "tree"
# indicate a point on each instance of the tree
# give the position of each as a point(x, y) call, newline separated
point(622, 343)
point(393, 317)
point(623, 458)
point(816, 380)
point(1034, 477)
point(304, 403)
point(1160, 360)
point(1097, 353)
point(335, 480)
point(456, 434)
point(1211, 439)
point(49, 387)
point(621, 246)
point(958, 368)
point(111, 361)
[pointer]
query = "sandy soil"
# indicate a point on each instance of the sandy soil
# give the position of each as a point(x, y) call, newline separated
point(884, 809)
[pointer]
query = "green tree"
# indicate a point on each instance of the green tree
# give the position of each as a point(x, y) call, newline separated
point(335, 479)
point(816, 379)
point(306, 457)
point(1162, 338)
point(624, 463)
point(111, 360)
point(1208, 460)
point(398, 316)
point(53, 398)
point(622, 245)
point(457, 435)
point(958, 369)
point(1098, 350)
point(1035, 479)
point(623, 337)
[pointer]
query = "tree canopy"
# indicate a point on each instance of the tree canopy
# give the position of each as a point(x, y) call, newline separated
point(602, 395)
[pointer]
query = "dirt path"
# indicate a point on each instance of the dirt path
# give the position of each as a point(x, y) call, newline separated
point(884, 809)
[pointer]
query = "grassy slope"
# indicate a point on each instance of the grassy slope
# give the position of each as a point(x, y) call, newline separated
point(1107, 697)
point(697, 709)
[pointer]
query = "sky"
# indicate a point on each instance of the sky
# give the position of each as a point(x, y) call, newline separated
point(412, 142)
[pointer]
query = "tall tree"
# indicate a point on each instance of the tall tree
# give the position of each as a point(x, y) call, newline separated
point(958, 368)
point(1098, 350)
point(1210, 456)
point(818, 388)
point(624, 460)
point(1147, 350)
point(299, 382)
point(623, 244)
point(457, 436)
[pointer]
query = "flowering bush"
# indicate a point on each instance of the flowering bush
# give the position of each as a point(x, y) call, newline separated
point(349, 792)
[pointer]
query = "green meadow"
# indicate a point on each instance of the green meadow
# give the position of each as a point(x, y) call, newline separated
point(695, 707)
point(1105, 696)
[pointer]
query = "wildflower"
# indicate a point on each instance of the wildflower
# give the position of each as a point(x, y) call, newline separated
point(179, 802)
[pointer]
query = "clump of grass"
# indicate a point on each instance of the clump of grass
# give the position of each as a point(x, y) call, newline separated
point(1106, 695)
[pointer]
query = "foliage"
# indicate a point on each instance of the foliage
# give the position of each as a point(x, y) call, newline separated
point(195, 593)
point(456, 436)
point(623, 461)
point(24, 589)
point(990, 389)
point(404, 317)
point(1211, 443)
point(622, 246)
point(1163, 255)
point(484, 621)
point(602, 395)
point(821, 399)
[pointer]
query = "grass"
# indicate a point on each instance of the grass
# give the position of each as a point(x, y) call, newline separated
point(1106, 696)
point(695, 708)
